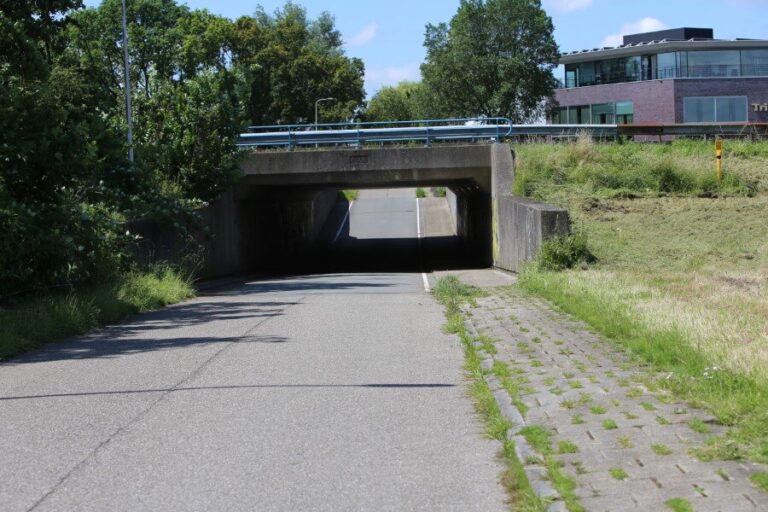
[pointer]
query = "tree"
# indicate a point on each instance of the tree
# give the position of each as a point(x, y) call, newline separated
point(293, 61)
point(402, 102)
point(494, 58)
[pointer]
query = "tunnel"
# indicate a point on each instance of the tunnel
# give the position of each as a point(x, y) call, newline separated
point(286, 214)
point(310, 229)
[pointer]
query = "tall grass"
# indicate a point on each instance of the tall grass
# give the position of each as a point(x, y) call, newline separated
point(36, 321)
point(684, 168)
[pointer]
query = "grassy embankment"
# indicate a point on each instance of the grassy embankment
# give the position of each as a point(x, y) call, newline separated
point(36, 321)
point(681, 270)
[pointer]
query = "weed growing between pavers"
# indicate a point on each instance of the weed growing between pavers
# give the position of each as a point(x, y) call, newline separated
point(453, 295)
point(618, 473)
point(737, 401)
point(660, 449)
point(541, 440)
point(679, 505)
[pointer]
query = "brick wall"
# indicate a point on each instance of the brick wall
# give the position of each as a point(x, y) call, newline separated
point(661, 101)
point(654, 100)
point(755, 89)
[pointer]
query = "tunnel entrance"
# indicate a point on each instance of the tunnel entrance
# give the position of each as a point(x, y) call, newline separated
point(299, 229)
point(395, 230)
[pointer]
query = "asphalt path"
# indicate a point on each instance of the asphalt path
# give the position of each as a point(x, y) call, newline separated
point(318, 392)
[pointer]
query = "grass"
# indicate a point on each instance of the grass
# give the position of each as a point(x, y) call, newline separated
point(421, 193)
point(618, 473)
point(760, 479)
point(661, 449)
point(36, 321)
point(453, 295)
point(610, 425)
point(699, 426)
point(679, 270)
point(349, 195)
point(541, 440)
point(679, 505)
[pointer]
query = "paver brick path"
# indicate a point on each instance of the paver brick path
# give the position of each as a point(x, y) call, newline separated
point(586, 392)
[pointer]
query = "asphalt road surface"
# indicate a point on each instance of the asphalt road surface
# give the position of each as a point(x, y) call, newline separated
point(320, 392)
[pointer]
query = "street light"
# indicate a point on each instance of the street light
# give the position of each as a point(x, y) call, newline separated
point(317, 103)
point(127, 75)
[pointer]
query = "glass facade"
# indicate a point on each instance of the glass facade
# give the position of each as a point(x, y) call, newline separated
point(715, 109)
point(691, 64)
point(599, 113)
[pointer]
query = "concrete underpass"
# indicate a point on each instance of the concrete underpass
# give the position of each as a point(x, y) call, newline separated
point(285, 212)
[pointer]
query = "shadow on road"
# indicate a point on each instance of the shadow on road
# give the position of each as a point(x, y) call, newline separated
point(216, 388)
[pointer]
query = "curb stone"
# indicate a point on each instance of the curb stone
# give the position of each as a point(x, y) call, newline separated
point(537, 475)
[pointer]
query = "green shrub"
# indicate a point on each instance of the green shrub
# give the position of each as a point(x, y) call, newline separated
point(421, 193)
point(563, 252)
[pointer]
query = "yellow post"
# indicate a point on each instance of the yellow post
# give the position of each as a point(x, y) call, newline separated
point(719, 158)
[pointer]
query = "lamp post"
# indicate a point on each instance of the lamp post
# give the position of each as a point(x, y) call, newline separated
point(317, 103)
point(127, 79)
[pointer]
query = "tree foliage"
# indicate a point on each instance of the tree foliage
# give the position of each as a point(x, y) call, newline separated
point(66, 188)
point(404, 101)
point(494, 58)
point(294, 61)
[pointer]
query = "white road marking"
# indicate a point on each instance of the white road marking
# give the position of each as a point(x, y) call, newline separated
point(343, 221)
point(418, 235)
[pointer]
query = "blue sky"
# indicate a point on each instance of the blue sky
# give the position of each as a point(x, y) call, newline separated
point(388, 34)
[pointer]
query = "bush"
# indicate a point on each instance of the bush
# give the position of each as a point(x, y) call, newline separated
point(563, 252)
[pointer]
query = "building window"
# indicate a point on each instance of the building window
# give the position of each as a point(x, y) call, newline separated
point(625, 112)
point(599, 113)
point(721, 63)
point(754, 62)
point(715, 109)
point(604, 113)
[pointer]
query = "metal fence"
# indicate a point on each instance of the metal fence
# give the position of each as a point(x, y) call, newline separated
point(486, 130)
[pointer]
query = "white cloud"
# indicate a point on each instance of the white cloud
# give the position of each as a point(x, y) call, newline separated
point(391, 75)
point(635, 27)
point(569, 5)
point(363, 36)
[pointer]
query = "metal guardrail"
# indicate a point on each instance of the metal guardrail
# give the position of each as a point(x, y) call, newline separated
point(357, 134)
point(474, 130)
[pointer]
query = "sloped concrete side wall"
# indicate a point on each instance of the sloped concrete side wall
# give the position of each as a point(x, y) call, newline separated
point(520, 225)
point(523, 226)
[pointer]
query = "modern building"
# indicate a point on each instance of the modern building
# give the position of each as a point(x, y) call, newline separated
point(681, 75)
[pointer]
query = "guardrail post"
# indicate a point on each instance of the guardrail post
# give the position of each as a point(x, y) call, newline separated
point(428, 140)
point(359, 144)
point(290, 141)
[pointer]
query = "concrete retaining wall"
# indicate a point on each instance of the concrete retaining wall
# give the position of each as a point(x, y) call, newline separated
point(240, 233)
point(523, 226)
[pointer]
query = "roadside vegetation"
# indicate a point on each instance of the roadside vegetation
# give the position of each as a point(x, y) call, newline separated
point(34, 321)
point(349, 195)
point(68, 192)
point(453, 295)
point(669, 262)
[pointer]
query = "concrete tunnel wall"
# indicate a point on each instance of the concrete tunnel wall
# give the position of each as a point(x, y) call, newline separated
point(279, 207)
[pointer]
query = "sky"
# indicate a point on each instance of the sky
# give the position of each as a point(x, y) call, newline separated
point(389, 34)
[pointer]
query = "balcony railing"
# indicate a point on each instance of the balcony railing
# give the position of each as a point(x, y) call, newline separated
point(710, 71)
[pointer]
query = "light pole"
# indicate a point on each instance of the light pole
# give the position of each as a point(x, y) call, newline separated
point(127, 79)
point(317, 103)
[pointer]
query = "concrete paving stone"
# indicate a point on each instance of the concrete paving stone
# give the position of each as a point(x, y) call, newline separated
point(611, 503)
point(537, 477)
point(567, 353)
